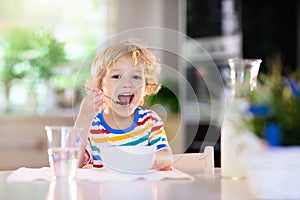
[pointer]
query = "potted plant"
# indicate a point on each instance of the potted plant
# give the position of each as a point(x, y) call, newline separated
point(273, 123)
point(29, 54)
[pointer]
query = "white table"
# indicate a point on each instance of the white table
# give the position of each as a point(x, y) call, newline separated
point(206, 186)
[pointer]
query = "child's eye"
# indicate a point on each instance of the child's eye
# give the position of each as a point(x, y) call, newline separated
point(116, 76)
point(136, 77)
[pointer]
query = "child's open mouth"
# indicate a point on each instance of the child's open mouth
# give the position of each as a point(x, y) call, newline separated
point(125, 99)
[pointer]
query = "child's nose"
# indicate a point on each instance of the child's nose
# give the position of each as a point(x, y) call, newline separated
point(126, 82)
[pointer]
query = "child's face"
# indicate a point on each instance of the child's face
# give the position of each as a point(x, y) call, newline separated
point(124, 83)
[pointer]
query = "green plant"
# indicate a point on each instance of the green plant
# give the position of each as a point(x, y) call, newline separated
point(275, 110)
point(29, 53)
point(74, 79)
point(28, 56)
point(166, 96)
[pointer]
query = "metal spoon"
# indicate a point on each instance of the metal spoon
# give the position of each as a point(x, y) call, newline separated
point(116, 102)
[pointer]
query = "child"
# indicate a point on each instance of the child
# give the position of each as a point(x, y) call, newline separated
point(125, 73)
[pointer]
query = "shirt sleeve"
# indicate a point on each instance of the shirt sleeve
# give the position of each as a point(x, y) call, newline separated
point(88, 154)
point(158, 137)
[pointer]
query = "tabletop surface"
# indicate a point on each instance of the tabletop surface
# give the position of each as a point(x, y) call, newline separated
point(206, 186)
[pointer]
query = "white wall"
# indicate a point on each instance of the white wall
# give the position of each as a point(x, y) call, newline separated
point(126, 15)
point(138, 13)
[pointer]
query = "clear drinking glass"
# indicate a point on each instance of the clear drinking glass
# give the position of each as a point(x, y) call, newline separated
point(63, 146)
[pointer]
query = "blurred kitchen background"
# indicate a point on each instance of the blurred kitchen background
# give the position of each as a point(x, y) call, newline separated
point(46, 47)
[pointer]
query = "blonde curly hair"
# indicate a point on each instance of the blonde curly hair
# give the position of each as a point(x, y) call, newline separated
point(133, 49)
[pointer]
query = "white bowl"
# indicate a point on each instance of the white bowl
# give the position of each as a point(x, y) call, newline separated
point(129, 159)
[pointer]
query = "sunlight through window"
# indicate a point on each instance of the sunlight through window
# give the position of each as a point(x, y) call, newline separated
point(78, 25)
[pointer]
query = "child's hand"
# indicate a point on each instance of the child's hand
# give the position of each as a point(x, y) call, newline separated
point(88, 166)
point(163, 160)
point(89, 107)
point(91, 103)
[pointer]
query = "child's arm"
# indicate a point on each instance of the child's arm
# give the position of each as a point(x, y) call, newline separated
point(89, 107)
point(163, 160)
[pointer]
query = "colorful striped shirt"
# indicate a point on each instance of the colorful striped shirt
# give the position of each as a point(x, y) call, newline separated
point(147, 129)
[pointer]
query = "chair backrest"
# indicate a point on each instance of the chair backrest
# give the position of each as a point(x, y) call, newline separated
point(200, 162)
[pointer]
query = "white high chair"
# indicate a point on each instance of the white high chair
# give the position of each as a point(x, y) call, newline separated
point(200, 162)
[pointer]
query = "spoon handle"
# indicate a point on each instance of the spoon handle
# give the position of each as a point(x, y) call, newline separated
point(111, 99)
point(116, 102)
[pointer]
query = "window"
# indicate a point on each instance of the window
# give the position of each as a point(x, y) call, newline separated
point(80, 25)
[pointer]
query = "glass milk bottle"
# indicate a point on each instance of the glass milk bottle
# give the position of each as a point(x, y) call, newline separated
point(243, 78)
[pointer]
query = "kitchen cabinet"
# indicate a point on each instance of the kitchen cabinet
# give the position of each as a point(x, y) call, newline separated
point(23, 141)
